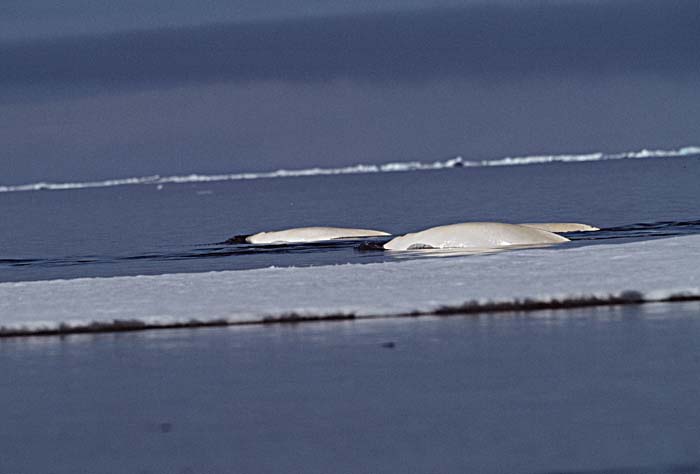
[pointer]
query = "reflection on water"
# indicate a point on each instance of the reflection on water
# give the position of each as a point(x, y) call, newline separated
point(460, 251)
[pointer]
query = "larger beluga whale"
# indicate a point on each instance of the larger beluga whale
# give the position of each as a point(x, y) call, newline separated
point(474, 235)
point(306, 234)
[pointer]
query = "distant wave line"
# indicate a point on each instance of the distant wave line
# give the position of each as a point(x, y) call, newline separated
point(456, 162)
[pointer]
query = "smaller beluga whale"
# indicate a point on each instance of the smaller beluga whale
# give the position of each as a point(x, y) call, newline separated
point(306, 234)
point(562, 227)
point(475, 235)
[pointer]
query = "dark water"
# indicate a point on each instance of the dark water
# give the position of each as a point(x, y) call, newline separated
point(131, 230)
point(611, 390)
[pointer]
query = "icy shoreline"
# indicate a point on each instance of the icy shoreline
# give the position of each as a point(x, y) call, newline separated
point(568, 276)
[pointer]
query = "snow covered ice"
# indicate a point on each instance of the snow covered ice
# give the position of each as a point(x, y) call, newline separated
point(654, 270)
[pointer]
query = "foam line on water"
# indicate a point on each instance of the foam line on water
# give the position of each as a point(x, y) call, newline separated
point(456, 162)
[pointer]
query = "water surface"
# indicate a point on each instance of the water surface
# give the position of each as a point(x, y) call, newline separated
point(586, 390)
point(148, 229)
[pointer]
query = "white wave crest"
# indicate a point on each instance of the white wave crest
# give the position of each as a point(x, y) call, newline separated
point(456, 162)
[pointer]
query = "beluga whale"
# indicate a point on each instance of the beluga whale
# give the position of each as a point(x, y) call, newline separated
point(306, 234)
point(474, 235)
point(562, 226)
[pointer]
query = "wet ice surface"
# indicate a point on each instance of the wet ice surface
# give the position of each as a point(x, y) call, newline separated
point(609, 390)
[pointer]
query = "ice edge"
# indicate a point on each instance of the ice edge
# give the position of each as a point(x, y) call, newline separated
point(354, 169)
point(474, 306)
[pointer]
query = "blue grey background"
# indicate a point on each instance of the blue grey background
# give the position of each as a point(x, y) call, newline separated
point(94, 90)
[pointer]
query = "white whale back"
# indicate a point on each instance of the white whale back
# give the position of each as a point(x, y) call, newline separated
point(484, 235)
point(311, 234)
point(561, 226)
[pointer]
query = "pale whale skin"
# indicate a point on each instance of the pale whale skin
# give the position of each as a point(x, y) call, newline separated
point(477, 235)
point(561, 226)
point(311, 234)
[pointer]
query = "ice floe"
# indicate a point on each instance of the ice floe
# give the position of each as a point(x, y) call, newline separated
point(651, 270)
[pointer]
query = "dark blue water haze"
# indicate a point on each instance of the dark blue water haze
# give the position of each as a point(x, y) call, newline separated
point(492, 42)
point(480, 79)
point(27, 19)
